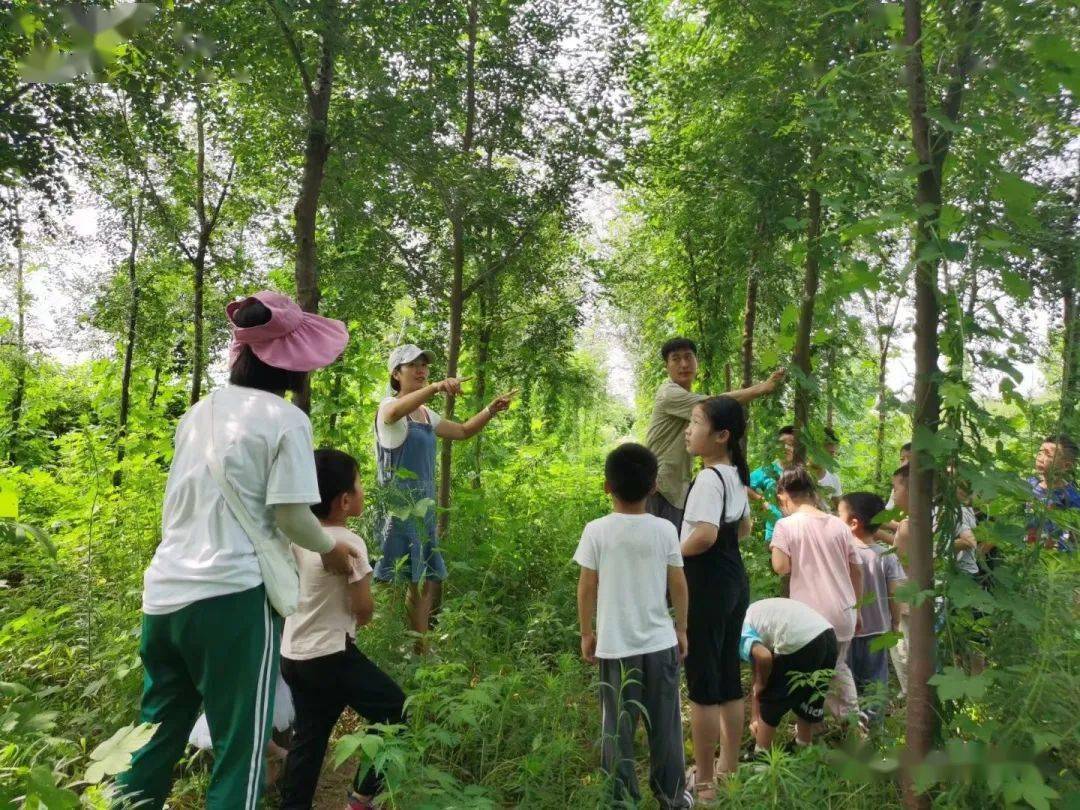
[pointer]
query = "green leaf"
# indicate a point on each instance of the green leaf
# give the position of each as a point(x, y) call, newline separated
point(423, 506)
point(346, 748)
point(954, 251)
point(1018, 195)
point(114, 755)
point(41, 786)
point(954, 683)
point(885, 641)
point(1016, 285)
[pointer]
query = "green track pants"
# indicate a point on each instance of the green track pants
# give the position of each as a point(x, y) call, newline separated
point(221, 654)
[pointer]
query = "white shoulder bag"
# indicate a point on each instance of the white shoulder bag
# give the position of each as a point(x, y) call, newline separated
point(276, 561)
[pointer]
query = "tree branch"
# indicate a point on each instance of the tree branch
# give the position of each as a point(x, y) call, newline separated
point(294, 48)
point(961, 68)
point(221, 197)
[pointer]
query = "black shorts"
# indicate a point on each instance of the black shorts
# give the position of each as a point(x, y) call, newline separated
point(713, 674)
point(806, 700)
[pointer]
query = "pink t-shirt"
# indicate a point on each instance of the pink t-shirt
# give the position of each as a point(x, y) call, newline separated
point(820, 548)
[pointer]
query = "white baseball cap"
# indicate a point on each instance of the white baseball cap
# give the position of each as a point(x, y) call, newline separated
point(406, 354)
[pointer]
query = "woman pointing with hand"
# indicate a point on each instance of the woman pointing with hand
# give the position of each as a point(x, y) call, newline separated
point(405, 432)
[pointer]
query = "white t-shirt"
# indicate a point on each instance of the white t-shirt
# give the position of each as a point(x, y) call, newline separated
point(392, 434)
point(631, 555)
point(267, 454)
point(707, 495)
point(830, 482)
point(323, 619)
point(785, 625)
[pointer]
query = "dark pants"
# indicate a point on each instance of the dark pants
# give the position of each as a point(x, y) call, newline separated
point(630, 687)
point(321, 689)
point(871, 673)
point(661, 507)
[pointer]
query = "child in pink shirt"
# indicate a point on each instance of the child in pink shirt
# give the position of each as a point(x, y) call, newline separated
point(819, 552)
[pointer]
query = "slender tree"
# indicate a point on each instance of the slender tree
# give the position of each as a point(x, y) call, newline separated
point(931, 146)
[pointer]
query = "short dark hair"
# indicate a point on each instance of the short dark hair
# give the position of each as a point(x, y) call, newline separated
point(903, 471)
point(830, 434)
point(796, 481)
point(865, 506)
point(395, 384)
point(336, 471)
point(630, 470)
point(251, 372)
point(1065, 442)
point(677, 344)
point(786, 430)
point(905, 447)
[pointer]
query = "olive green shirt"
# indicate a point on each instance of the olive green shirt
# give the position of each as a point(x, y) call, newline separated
point(665, 437)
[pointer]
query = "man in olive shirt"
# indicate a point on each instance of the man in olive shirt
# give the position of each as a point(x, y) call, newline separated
point(670, 416)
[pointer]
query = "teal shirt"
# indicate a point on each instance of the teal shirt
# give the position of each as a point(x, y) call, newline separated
point(763, 481)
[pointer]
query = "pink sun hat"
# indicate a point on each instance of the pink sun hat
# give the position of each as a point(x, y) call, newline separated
point(292, 339)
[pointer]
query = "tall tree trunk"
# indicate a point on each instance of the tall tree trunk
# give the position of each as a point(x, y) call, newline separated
point(483, 356)
point(699, 316)
point(335, 392)
point(1070, 355)
point(749, 317)
point(306, 211)
point(199, 282)
point(19, 393)
point(155, 387)
point(750, 310)
point(931, 151)
point(827, 373)
point(199, 260)
point(882, 392)
point(801, 357)
point(457, 288)
point(135, 224)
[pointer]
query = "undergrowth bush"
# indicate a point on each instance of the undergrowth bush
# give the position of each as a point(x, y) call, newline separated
point(502, 713)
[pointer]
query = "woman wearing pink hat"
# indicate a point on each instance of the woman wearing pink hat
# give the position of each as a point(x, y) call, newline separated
point(223, 576)
point(405, 431)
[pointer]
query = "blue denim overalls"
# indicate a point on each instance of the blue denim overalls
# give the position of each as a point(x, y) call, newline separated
point(413, 538)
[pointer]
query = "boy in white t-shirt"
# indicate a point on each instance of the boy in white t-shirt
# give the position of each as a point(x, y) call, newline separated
point(630, 561)
point(320, 661)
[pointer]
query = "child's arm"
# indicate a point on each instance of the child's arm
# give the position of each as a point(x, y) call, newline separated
point(761, 659)
point(901, 539)
point(965, 541)
point(680, 601)
point(781, 562)
point(587, 586)
point(361, 602)
point(745, 525)
point(700, 540)
point(855, 571)
point(894, 606)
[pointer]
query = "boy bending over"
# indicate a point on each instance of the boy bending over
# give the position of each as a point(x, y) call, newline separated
point(782, 638)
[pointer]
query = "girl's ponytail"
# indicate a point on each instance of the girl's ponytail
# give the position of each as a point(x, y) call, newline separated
point(725, 413)
point(738, 458)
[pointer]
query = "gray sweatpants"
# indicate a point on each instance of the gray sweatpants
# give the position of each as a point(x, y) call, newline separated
point(649, 685)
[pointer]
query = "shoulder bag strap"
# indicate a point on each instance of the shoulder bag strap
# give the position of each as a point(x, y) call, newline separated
point(236, 506)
